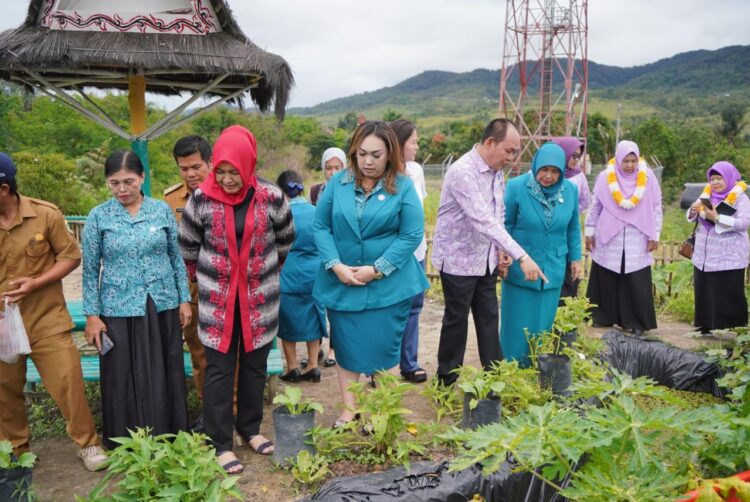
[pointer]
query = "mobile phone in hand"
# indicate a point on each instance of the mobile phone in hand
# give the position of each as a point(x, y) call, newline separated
point(707, 203)
point(106, 343)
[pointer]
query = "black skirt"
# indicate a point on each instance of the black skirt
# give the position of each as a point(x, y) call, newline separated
point(143, 376)
point(720, 300)
point(623, 299)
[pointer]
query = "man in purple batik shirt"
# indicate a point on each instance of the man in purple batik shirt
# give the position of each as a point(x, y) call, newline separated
point(469, 236)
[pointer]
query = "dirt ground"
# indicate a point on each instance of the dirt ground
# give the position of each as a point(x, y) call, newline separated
point(59, 476)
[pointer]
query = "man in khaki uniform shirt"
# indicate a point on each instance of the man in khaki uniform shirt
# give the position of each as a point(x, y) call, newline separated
point(36, 252)
point(193, 157)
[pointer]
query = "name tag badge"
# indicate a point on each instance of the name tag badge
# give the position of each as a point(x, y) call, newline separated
point(152, 229)
point(381, 197)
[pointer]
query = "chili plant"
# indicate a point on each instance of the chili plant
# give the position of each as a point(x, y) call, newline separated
point(478, 383)
point(292, 399)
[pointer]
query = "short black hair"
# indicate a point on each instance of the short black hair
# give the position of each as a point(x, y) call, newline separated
point(496, 129)
point(191, 144)
point(289, 176)
point(123, 159)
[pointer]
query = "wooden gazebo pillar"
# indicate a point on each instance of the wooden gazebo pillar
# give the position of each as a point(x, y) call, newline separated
point(137, 105)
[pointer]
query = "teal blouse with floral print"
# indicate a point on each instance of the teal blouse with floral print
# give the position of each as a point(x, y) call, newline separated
point(137, 256)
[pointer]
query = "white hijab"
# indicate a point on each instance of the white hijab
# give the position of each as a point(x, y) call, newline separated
point(331, 153)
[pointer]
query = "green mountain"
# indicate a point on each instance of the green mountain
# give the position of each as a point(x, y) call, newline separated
point(691, 75)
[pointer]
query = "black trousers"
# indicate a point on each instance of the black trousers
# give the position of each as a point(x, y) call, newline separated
point(570, 286)
point(218, 390)
point(462, 294)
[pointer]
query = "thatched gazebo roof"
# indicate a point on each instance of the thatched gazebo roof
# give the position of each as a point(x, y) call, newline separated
point(197, 48)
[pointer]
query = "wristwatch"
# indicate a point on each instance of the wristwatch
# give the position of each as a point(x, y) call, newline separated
point(378, 273)
point(523, 258)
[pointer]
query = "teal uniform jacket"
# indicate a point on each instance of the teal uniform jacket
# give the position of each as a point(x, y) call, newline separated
point(302, 262)
point(391, 226)
point(553, 247)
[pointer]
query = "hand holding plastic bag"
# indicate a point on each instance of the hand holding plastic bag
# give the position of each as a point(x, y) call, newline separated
point(13, 339)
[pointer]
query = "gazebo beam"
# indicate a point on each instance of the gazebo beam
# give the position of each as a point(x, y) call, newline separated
point(57, 93)
point(168, 117)
point(168, 127)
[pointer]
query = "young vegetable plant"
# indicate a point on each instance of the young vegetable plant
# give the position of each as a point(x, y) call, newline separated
point(479, 384)
point(292, 399)
point(165, 467)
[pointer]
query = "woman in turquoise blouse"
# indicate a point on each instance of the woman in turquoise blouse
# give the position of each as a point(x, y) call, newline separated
point(368, 222)
point(541, 214)
point(135, 291)
point(301, 318)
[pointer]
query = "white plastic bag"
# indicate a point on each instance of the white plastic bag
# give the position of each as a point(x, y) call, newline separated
point(13, 339)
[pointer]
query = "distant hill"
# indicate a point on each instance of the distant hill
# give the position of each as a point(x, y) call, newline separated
point(690, 74)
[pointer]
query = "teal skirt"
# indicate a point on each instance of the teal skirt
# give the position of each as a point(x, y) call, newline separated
point(300, 318)
point(524, 308)
point(369, 340)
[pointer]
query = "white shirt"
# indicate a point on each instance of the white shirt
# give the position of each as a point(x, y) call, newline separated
point(415, 172)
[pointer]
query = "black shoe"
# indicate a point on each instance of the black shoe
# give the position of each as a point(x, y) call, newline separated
point(638, 333)
point(321, 355)
point(329, 362)
point(291, 376)
point(198, 426)
point(313, 375)
point(304, 362)
point(597, 325)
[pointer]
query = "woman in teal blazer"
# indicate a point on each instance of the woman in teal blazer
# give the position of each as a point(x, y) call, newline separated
point(368, 222)
point(541, 214)
point(301, 318)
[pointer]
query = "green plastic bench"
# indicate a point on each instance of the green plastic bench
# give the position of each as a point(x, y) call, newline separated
point(90, 363)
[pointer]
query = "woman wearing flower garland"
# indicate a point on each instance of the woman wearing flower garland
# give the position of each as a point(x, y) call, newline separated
point(721, 251)
point(622, 229)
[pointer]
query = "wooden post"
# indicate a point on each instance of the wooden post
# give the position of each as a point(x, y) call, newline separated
point(137, 105)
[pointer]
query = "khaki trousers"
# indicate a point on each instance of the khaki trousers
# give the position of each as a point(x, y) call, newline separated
point(59, 364)
point(197, 351)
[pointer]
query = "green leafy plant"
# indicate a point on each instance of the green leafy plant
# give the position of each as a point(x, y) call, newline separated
point(179, 467)
point(309, 469)
point(546, 342)
point(9, 461)
point(443, 398)
point(478, 383)
point(573, 315)
point(382, 434)
point(292, 399)
point(521, 387)
point(630, 452)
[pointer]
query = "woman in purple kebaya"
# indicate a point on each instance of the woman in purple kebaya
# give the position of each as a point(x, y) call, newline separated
point(574, 148)
point(622, 229)
point(721, 250)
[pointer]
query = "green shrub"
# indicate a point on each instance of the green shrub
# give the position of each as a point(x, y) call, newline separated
point(54, 178)
point(179, 467)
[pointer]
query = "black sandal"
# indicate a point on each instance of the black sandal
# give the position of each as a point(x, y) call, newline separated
point(419, 375)
point(263, 448)
point(229, 465)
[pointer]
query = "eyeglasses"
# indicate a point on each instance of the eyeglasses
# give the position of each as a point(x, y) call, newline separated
point(130, 183)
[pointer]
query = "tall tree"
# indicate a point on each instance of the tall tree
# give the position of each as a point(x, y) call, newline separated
point(732, 122)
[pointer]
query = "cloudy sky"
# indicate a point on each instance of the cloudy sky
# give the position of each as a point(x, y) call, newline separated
point(341, 47)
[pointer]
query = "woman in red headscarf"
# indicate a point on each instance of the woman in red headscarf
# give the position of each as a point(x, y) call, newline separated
point(235, 233)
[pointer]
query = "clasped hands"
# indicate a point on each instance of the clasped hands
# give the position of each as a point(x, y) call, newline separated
point(354, 276)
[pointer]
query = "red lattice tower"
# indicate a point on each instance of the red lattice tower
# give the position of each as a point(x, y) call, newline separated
point(544, 77)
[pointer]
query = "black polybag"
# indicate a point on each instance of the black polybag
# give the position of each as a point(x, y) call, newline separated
point(675, 368)
point(427, 482)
